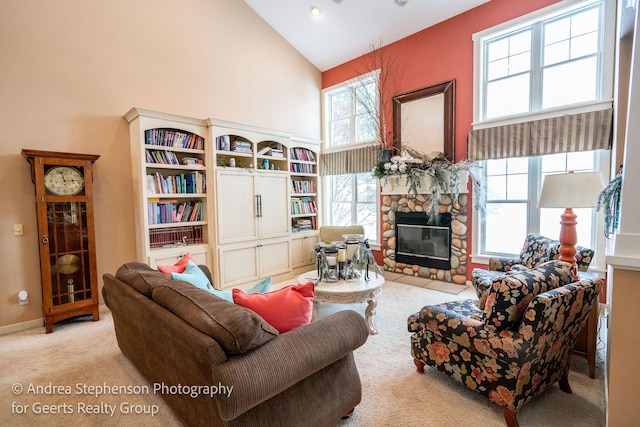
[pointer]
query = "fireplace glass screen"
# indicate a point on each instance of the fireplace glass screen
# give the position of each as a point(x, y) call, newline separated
point(423, 241)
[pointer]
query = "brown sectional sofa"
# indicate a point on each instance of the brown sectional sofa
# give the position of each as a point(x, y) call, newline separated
point(176, 334)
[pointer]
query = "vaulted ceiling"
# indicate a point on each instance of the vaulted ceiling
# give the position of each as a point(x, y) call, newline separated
point(346, 28)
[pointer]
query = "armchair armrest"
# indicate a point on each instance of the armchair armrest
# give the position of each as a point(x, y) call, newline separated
point(558, 316)
point(264, 372)
point(502, 263)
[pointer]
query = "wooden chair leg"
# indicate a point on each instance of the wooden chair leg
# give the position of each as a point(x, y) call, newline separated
point(510, 417)
point(419, 365)
point(564, 384)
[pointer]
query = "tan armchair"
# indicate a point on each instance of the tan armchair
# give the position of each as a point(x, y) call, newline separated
point(334, 233)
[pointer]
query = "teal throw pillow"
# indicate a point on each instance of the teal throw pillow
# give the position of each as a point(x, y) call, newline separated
point(261, 287)
point(193, 275)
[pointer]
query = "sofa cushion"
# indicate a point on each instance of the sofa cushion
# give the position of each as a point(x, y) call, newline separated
point(178, 267)
point(286, 309)
point(509, 295)
point(235, 328)
point(140, 277)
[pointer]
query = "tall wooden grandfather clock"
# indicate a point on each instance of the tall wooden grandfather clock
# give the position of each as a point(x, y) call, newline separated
point(66, 233)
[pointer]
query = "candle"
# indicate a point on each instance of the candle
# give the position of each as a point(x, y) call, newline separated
point(342, 255)
point(331, 260)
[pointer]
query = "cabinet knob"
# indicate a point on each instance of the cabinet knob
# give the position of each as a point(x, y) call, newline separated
point(45, 239)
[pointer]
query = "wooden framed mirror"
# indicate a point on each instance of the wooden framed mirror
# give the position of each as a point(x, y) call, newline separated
point(424, 119)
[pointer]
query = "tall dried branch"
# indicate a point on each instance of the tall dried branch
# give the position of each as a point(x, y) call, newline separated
point(378, 104)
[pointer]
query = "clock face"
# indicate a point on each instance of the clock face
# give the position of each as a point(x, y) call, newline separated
point(64, 181)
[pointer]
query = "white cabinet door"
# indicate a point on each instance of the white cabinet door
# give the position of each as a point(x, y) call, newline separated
point(238, 264)
point(274, 201)
point(301, 247)
point(236, 206)
point(275, 257)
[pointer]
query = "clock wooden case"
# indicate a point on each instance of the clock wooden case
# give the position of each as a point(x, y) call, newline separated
point(64, 205)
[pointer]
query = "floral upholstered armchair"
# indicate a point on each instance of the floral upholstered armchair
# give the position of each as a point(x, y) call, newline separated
point(536, 250)
point(516, 347)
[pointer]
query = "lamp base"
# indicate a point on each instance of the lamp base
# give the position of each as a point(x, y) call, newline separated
point(568, 239)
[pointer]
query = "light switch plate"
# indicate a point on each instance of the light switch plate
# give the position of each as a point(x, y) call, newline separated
point(18, 229)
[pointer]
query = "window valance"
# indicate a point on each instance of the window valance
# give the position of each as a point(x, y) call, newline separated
point(357, 160)
point(572, 132)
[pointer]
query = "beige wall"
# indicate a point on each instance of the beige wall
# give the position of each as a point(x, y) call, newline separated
point(70, 69)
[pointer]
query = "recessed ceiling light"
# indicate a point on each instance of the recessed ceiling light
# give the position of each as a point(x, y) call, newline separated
point(401, 2)
point(337, 1)
point(315, 11)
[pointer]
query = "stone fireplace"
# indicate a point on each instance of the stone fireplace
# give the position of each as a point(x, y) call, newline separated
point(453, 271)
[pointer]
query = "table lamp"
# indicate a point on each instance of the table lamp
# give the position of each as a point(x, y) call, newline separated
point(570, 190)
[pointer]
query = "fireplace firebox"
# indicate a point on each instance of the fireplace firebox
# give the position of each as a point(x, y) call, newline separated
point(423, 240)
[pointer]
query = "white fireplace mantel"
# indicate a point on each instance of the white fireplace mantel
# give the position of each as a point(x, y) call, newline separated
point(398, 184)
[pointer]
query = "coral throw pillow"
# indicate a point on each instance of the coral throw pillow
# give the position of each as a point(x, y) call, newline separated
point(178, 267)
point(285, 309)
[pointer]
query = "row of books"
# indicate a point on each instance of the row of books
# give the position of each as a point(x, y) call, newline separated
point(184, 183)
point(301, 168)
point(303, 205)
point(303, 224)
point(302, 154)
point(170, 158)
point(173, 138)
point(159, 237)
point(303, 187)
point(171, 211)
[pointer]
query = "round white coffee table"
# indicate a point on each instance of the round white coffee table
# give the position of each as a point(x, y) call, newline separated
point(349, 292)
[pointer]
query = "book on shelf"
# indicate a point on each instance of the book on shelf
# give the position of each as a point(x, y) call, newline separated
point(301, 168)
point(173, 138)
point(160, 237)
point(303, 224)
point(303, 186)
point(240, 146)
point(302, 154)
point(303, 205)
point(223, 143)
point(189, 161)
point(264, 151)
point(170, 211)
point(184, 183)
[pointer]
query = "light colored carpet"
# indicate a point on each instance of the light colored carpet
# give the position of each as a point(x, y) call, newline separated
point(86, 353)
point(450, 288)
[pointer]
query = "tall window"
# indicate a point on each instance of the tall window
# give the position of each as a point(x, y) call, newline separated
point(350, 195)
point(552, 63)
point(513, 188)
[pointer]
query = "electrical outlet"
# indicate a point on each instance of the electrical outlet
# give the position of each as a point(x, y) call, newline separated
point(18, 229)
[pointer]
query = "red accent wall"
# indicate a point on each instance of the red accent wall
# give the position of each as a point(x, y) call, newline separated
point(444, 52)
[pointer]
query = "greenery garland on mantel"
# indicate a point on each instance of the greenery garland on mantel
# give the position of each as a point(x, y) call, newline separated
point(412, 166)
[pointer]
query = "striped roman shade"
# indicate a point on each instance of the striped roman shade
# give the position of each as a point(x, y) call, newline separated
point(357, 160)
point(574, 132)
